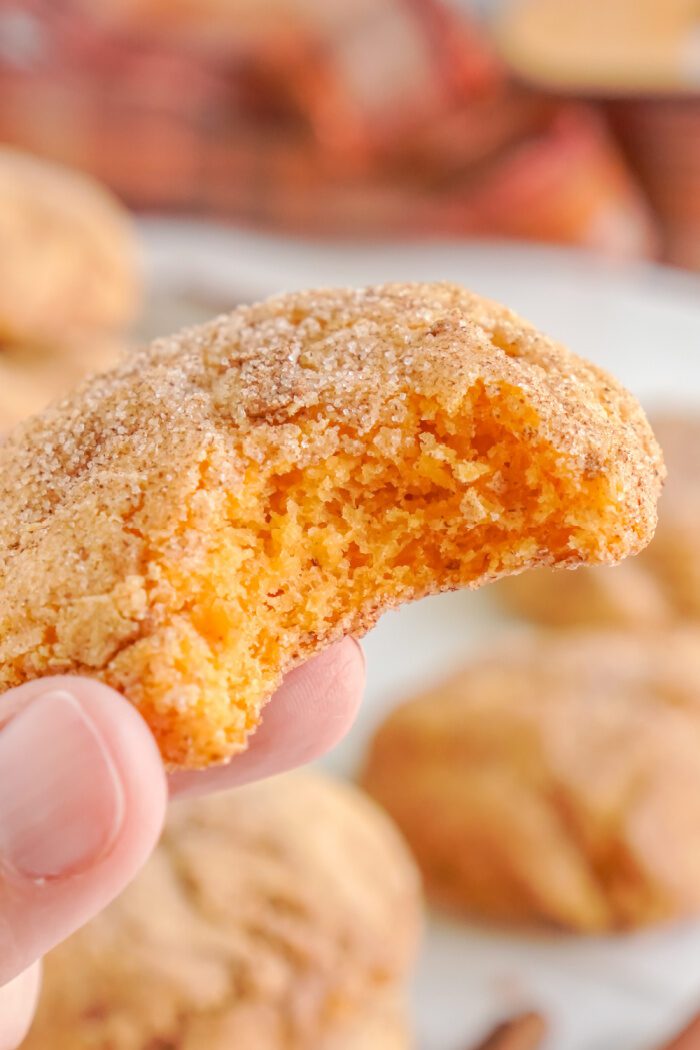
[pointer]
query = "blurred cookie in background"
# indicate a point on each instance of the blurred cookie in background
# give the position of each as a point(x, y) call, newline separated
point(659, 586)
point(554, 781)
point(601, 46)
point(33, 376)
point(626, 594)
point(282, 916)
point(68, 255)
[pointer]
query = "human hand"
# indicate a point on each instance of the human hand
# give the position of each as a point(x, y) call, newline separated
point(83, 795)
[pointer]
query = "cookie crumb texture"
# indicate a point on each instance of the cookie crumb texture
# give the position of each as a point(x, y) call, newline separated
point(555, 781)
point(196, 522)
point(283, 916)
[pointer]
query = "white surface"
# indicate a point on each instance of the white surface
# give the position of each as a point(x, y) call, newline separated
point(624, 993)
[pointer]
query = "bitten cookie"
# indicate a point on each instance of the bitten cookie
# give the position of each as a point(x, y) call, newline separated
point(284, 916)
point(659, 587)
point(68, 258)
point(555, 781)
point(193, 524)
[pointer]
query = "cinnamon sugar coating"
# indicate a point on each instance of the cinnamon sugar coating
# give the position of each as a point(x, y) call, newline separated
point(283, 916)
point(194, 523)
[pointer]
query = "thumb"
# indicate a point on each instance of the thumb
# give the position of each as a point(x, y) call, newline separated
point(18, 1000)
point(82, 799)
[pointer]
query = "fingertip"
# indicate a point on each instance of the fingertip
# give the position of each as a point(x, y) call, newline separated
point(324, 693)
point(136, 757)
point(82, 802)
point(130, 743)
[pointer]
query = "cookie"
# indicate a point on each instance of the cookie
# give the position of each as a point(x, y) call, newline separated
point(606, 48)
point(68, 257)
point(283, 916)
point(656, 589)
point(227, 502)
point(555, 781)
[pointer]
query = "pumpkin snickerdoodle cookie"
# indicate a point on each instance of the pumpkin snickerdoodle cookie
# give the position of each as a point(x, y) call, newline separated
point(196, 522)
point(283, 916)
point(555, 780)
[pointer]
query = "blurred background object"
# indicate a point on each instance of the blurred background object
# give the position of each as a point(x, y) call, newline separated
point(603, 46)
point(555, 780)
point(390, 118)
point(639, 60)
point(525, 1031)
point(662, 140)
point(68, 254)
point(70, 281)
